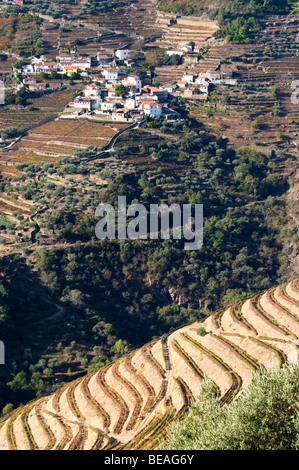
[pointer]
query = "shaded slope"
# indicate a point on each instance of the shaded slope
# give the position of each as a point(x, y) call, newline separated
point(128, 404)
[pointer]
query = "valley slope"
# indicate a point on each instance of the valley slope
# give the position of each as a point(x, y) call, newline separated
point(129, 403)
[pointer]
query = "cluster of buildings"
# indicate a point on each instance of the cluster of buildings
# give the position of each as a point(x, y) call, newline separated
point(115, 91)
point(32, 84)
point(64, 64)
point(123, 96)
point(199, 84)
point(182, 51)
point(69, 63)
point(16, 2)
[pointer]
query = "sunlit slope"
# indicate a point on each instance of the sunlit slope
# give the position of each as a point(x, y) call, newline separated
point(129, 404)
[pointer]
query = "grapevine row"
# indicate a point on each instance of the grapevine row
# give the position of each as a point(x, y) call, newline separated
point(206, 351)
point(150, 403)
point(155, 438)
point(216, 318)
point(251, 361)
point(268, 318)
point(235, 378)
point(45, 427)
point(233, 390)
point(186, 395)
point(78, 441)
point(70, 395)
point(237, 314)
point(178, 348)
point(26, 428)
point(56, 397)
point(271, 298)
point(66, 429)
point(153, 361)
point(133, 391)
point(279, 353)
point(99, 440)
point(283, 293)
point(99, 409)
point(10, 434)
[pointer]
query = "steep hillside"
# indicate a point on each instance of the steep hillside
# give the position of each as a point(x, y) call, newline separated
point(179, 31)
point(129, 403)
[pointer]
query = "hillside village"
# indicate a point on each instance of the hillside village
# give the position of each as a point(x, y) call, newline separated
point(115, 92)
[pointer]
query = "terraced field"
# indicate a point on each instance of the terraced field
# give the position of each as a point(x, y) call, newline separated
point(128, 404)
point(59, 138)
point(111, 29)
point(179, 31)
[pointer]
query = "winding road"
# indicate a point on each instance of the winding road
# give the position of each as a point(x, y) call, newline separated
point(106, 148)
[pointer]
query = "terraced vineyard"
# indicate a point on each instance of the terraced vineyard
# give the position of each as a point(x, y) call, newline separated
point(128, 404)
point(56, 139)
point(179, 31)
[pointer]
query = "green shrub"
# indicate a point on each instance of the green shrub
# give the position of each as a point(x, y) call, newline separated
point(201, 331)
point(265, 417)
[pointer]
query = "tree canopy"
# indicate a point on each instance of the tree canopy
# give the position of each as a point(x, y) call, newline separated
point(265, 417)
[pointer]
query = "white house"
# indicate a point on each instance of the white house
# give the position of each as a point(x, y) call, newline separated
point(187, 48)
point(188, 78)
point(37, 60)
point(103, 58)
point(122, 54)
point(201, 80)
point(109, 105)
point(82, 62)
point(181, 84)
point(175, 52)
point(204, 87)
point(130, 103)
point(81, 103)
point(113, 95)
point(66, 58)
point(146, 97)
point(226, 73)
point(152, 108)
point(169, 88)
point(38, 68)
point(92, 90)
point(132, 80)
point(50, 66)
point(95, 101)
point(160, 93)
point(111, 74)
point(213, 75)
point(29, 68)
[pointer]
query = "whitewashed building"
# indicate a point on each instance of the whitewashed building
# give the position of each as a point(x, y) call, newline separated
point(201, 80)
point(213, 75)
point(175, 52)
point(82, 62)
point(81, 102)
point(169, 88)
point(152, 108)
point(188, 78)
point(122, 54)
point(130, 103)
point(108, 105)
point(111, 74)
point(92, 90)
point(132, 80)
point(187, 48)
